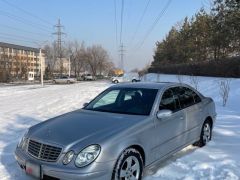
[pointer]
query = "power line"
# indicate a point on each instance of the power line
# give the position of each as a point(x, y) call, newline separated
point(160, 15)
point(24, 21)
point(17, 36)
point(121, 50)
point(122, 11)
point(26, 12)
point(121, 56)
point(25, 31)
point(18, 39)
point(115, 20)
point(140, 20)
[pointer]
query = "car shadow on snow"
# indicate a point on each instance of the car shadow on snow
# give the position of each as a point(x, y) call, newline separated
point(10, 137)
point(154, 168)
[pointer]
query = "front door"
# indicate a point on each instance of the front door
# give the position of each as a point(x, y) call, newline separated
point(170, 131)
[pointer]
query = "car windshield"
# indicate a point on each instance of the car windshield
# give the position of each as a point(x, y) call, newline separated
point(124, 101)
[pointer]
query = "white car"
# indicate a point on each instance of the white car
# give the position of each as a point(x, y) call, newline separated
point(128, 77)
point(64, 80)
point(89, 77)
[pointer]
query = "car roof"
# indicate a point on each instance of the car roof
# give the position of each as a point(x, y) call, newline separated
point(148, 85)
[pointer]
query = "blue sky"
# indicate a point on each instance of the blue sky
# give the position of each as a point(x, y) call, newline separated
point(92, 21)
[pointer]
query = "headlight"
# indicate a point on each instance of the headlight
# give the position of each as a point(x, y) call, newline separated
point(68, 157)
point(87, 155)
point(23, 142)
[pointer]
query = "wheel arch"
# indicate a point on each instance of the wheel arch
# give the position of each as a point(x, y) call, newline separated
point(209, 118)
point(136, 147)
point(140, 150)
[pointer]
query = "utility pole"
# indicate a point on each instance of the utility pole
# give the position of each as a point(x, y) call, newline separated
point(122, 56)
point(59, 42)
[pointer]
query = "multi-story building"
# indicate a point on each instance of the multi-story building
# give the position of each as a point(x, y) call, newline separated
point(20, 62)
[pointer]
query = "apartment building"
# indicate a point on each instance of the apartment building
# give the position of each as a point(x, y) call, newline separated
point(20, 62)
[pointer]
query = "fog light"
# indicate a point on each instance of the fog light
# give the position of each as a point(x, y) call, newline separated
point(68, 157)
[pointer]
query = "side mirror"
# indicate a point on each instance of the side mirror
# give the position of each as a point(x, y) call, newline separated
point(165, 113)
point(85, 104)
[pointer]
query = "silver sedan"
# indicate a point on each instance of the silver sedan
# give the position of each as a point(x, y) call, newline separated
point(125, 129)
point(64, 79)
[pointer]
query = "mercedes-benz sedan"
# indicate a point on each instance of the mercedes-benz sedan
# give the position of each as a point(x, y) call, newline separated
point(125, 129)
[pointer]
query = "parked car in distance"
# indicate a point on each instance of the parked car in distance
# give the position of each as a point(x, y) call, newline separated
point(128, 127)
point(64, 80)
point(89, 77)
point(127, 77)
point(80, 78)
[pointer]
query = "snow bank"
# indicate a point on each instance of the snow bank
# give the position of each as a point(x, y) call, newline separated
point(24, 106)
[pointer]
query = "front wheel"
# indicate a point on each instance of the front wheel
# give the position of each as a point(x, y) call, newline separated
point(115, 81)
point(129, 166)
point(206, 134)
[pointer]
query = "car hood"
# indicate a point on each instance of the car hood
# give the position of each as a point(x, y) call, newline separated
point(74, 127)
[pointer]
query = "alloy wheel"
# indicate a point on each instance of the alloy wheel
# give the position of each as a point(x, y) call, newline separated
point(206, 133)
point(130, 169)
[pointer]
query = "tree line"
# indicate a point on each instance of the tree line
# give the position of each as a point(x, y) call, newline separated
point(204, 37)
point(83, 59)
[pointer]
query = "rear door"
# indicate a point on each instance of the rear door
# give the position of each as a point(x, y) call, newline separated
point(170, 131)
point(190, 103)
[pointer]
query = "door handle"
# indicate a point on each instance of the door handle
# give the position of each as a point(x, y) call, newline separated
point(181, 118)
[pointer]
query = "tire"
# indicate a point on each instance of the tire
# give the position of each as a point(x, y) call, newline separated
point(115, 81)
point(68, 82)
point(54, 82)
point(206, 134)
point(129, 164)
point(134, 80)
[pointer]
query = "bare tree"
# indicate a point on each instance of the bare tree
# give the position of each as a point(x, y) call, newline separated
point(135, 70)
point(158, 77)
point(194, 81)
point(179, 78)
point(50, 53)
point(96, 58)
point(142, 73)
point(78, 55)
point(224, 90)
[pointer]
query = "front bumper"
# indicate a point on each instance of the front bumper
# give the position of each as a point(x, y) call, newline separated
point(95, 171)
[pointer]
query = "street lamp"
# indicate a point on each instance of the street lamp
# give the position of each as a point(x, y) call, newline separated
point(40, 58)
point(41, 63)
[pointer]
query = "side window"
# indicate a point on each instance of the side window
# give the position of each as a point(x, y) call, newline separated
point(185, 95)
point(168, 101)
point(196, 97)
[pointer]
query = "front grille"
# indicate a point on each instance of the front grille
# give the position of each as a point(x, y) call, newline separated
point(43, 151)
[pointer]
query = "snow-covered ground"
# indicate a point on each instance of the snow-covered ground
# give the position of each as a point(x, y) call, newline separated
point(24, 106)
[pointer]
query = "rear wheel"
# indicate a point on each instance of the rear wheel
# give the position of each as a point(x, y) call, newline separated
point(134, 80)
point(68, 82)
point(129, 166)
point(115, 81)
point(54, 82)
point(206, 134)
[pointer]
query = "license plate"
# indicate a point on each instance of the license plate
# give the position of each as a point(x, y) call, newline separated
point(33, 170)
